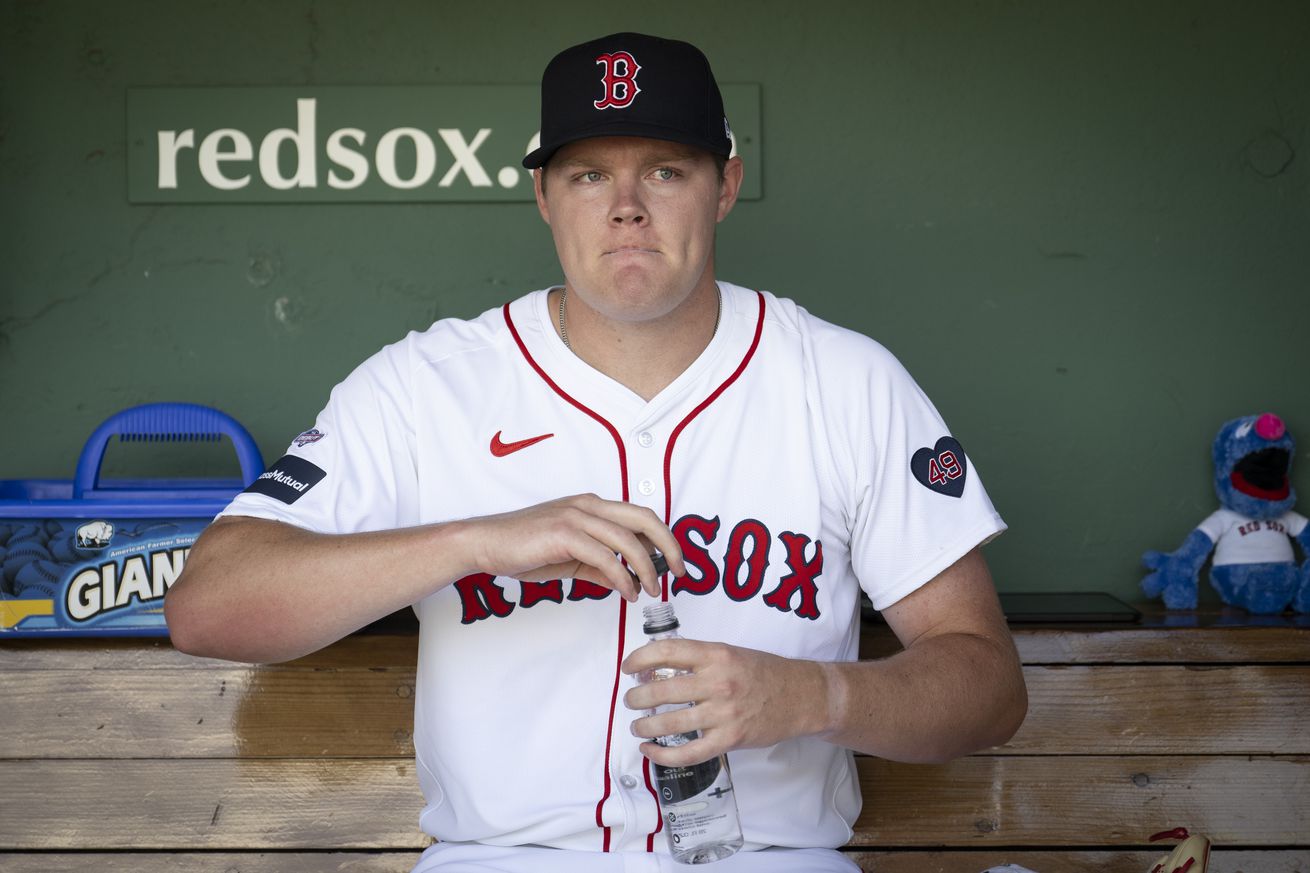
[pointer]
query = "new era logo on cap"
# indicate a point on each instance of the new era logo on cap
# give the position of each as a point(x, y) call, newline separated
point(630, 84)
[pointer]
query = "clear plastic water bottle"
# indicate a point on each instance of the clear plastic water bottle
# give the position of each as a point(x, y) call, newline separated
point(699, 806)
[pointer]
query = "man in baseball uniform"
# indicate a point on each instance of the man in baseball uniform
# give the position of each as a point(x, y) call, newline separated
point(510, 476)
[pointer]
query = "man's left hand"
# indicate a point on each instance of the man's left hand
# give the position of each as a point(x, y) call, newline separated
point(744, 699)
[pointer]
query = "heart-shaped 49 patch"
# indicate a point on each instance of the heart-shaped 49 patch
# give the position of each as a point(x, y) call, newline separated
point(943, 468)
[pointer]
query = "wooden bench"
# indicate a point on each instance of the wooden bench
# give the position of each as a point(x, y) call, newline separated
point(124, 755)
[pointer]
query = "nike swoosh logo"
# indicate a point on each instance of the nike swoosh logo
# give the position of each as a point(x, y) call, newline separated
point(500, 449)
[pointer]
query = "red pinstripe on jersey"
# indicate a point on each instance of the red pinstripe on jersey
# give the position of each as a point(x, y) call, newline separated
point(668, 489)
point(673, 438)
point(623, 604)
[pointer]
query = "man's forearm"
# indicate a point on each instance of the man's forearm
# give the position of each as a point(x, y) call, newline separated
point(256, 590)
point(945, 696)
point(261, 591)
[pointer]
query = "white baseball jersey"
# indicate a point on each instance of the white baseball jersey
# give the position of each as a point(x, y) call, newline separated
point(796, 462)
point(1242, 540)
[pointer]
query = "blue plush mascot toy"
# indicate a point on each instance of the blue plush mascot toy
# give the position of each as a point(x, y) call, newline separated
point(1254, 565)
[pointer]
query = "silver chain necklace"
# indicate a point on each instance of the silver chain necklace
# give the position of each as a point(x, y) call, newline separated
point(564, 334)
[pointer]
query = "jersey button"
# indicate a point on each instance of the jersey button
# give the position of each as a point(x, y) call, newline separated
point(646, 487)
point(645, 439)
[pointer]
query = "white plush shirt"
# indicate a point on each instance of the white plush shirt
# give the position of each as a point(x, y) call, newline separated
point(1242, 540)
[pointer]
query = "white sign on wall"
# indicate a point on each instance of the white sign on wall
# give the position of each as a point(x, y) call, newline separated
point(455, 143)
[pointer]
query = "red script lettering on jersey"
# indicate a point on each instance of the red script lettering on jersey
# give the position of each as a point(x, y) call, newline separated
point(740, 572)
point(500, 449)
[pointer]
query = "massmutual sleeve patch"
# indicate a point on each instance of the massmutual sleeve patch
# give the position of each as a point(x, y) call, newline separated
point(288, 479)
point(943, 468)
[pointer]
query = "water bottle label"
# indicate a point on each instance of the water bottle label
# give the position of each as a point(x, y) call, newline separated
point(677, 784)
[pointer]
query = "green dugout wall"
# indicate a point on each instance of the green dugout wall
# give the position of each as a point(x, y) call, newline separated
point(1085, 228)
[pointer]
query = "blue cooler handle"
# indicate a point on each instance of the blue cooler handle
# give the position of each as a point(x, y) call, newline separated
point(173, 422)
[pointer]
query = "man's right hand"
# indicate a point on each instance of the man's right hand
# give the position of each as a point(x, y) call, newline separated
point(578, 537)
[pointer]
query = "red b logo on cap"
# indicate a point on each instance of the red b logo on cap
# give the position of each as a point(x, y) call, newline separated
point(620, 80)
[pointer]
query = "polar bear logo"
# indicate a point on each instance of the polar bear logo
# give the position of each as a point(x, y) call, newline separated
point(95, 535)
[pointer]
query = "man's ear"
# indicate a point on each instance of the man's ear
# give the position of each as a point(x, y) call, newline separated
point(733, 173)
point(537, 176)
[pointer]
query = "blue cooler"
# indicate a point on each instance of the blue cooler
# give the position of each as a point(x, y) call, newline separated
point(93, 558)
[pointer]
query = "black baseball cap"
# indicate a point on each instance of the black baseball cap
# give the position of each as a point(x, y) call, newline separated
point(630, 84)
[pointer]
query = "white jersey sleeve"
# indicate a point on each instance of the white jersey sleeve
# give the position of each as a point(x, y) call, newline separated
point(355, 469)
point(1295, 522)
point(915, 501)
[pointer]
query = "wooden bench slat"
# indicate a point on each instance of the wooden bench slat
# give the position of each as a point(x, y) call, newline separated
point(210, 804)
point(1105, 801)
point(205, 713)
point(374, 803)
point(211, 862)
point(1162, 645)
point(357, 652)
point(1221, 861)
point(1127, 710)
point(269, 712)
point(1281, 642)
